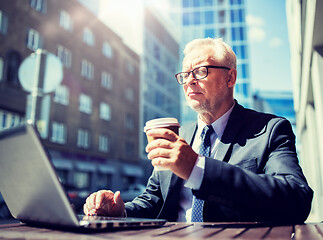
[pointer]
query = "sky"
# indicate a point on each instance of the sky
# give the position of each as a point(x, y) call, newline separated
point(269, 45)
point(267, 31)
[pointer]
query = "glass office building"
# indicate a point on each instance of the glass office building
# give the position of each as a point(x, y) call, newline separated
point(216, 18)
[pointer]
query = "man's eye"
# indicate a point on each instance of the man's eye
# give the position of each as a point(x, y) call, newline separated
point(185, 75)
point(200, 72)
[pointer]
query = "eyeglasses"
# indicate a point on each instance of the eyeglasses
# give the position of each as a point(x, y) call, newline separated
point(198, 73)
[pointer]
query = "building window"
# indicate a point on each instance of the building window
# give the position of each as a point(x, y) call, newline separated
point(222, 33)
point(186, 18)
point(105, 111)
point(39, 5)
point(244, 71)
point(240, 51)
point(33, 39)
point(3, 23)
point(245, 89)
point(238, 34)
point(209, 17)
point(130, 67)
point(81, 180)
point(58, 133)
point(185, 3)
point(156, 51)
point(13, 60)
point(236, 15)
point(221, 16)
point(85, 103)
point(88, 37)
point(1, 68)
point(197, 18)
point(103, 143)
point(65, 21)
point(3, 120)
point(235, 2)
point(130, 149)
point(87, 69)
point(106, 80)
point(129, 94)
point(104, 181)
point(107, 50)
point(129, 122)
point(208, 3)
point(62, 95)
point(9, 119)
point(209, 32)
point(83, 138)
point(64, 55)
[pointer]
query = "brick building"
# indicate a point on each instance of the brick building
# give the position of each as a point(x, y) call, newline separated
point(90, 123)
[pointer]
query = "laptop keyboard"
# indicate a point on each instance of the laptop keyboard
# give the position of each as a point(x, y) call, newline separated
point(98, 218)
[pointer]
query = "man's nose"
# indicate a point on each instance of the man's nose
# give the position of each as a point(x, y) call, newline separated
point(191, 80)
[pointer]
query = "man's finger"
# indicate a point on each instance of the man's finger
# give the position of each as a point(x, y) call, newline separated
point(159, 143)
point(117, 198)
point(90, 201)
point(162, 133)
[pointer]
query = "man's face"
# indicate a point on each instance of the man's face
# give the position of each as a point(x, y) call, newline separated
point(210, 94)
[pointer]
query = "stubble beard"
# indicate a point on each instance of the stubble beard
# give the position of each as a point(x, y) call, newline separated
point(201, 107)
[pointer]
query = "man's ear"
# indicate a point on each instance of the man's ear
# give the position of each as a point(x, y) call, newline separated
point(232, 77)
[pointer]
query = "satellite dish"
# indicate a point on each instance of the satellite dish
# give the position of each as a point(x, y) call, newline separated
point(41, 71)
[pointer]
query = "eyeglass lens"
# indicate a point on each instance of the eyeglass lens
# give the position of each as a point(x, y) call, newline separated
point(198, 73)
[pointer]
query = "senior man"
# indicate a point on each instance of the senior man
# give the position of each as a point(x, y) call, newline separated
point(232, 164)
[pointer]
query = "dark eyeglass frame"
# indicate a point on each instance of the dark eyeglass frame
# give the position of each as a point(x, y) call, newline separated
point(181, 81)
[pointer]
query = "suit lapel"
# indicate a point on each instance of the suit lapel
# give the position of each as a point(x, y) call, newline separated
point(235, 122)
point(188, 132)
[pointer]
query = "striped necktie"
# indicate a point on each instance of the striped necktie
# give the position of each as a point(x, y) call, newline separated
point(205, 150)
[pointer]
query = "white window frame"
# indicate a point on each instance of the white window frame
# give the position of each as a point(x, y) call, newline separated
point(1, 68)
point(129, 94)
point(65, 55)
point(103, 143)
point(129, 122)
point(85, 103)
point(105, 111)
point(83, 137)
point(81, 180)
point(65, 21)
point(88, 37)
point(62, 94)
point(58, 133)
point(33, 39)
point(87, 69)
point(106, 80)
point(9, 119)
point(39, 5)
point(107, 50)
point(130, 68)
point(3, 23)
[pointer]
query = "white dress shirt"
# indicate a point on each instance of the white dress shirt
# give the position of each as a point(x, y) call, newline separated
point(195, 179)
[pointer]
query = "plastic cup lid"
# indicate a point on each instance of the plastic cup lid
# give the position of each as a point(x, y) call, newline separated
point(161, 122)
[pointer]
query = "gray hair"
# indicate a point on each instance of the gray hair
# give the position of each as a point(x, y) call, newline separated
point(219, 50)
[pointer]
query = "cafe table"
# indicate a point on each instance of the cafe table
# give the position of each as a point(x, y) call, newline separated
point(172, 230)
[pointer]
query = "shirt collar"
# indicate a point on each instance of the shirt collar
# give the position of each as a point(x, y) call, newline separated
point(218, 125)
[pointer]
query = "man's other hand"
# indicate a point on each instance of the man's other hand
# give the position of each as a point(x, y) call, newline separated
point(104, 203)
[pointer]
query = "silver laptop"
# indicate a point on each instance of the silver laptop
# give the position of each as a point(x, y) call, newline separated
point(33, 192)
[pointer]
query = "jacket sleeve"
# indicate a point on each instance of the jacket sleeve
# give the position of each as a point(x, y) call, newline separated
point(275, 190)
point(148, 204)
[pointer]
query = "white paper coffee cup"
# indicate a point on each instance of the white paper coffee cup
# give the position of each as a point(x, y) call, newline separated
point(169, 123)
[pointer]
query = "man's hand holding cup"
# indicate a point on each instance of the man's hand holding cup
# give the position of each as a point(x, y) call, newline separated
point(166, 149)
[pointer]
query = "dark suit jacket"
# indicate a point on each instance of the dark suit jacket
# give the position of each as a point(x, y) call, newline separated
point(255, 176)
